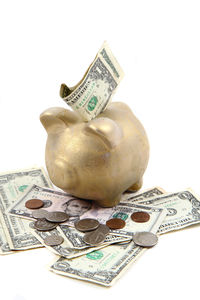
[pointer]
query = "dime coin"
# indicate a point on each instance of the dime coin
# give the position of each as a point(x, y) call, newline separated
point(34, 203)
point(94, 238)
point(57, 216)
point(39, 214)
point(87, 224)
point(53, 240)
point(115, 223)
point(44, 225)
point(145, 239)
point(140, 217)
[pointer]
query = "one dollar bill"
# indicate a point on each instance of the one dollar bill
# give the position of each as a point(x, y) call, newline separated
point(103, 266)
point(183, 209)
point(92, 94)
point(12, 185)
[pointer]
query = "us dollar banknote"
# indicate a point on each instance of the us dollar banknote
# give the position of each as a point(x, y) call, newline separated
point(12, 185)
point(136, 196)
point(79, 209)
point(183, 209)
point(4, 246)
point(103, 266)
point(92, 94)
point(66, 249)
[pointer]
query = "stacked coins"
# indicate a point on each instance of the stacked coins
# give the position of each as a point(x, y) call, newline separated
point(46, 221)
point(95, 233)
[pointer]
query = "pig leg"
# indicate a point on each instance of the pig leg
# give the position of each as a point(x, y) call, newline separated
point(136, 186)
point(109, 202)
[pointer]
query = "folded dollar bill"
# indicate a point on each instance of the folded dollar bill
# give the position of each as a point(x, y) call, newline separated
point(92, 94)
point(12, 185)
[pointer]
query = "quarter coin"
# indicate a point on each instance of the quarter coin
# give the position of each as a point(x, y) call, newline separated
point(145, 239)
point(57, 216)
point(140, 217)
point(53, 240)
point(87, 224)
point(115, 223)
point(103, 228)
point(39, 214)
point(44, 225)
point(94, 238)
point(34, 203)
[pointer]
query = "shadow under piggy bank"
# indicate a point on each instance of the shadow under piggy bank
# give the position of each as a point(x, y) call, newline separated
point(99, 159)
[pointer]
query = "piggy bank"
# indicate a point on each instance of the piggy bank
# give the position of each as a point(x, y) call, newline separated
point(99, 159)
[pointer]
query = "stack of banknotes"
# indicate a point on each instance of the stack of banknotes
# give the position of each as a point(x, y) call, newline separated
point(102, 264)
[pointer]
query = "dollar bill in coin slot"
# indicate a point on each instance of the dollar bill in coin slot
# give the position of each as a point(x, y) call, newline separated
point(92, 94)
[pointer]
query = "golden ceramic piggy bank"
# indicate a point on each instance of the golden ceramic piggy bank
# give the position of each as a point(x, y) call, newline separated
point(99, 159)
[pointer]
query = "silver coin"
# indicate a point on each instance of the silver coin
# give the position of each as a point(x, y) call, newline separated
point(145, 239)
point(44, 225)
point(32, 225)
point(39, 214)
point(57, 216)
point(94, 238)
point(87, 224)
point(53, 240)
point(103, 228)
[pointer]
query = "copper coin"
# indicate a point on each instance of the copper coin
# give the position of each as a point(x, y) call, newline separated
point(115, 223)
point(140, 217)
point(34, 203)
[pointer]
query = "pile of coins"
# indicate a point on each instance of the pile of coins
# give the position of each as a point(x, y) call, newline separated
point(95, 233)
point(46, 221)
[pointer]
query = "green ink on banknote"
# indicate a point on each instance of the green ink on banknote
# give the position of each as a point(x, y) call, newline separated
point(92, 103)
point(95, 255)
point(121, 215)
point(22, 188)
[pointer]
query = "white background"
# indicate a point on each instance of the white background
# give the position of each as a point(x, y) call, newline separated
point(157, 43)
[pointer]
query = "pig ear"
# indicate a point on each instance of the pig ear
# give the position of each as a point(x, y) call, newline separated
point(58, 117)
point(105, 129)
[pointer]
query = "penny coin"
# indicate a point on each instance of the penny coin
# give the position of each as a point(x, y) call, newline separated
point(115, 223)
point(145, 239)
point(140, 217)
point(53, 240)
point(57, 216)
point(94, 238)
point(87, 224)
point(39, 214)
point(44, 225)
point(34, 203)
